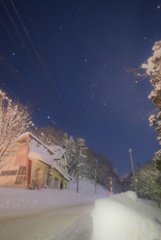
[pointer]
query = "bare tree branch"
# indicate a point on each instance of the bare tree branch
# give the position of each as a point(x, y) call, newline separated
point(14, 120)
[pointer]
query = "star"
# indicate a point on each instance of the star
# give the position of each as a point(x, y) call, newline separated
point(81, 69)
point(93, 85)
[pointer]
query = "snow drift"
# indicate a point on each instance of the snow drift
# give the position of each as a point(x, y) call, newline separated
point(124, 217)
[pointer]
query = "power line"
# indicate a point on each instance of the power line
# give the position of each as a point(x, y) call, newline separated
point(41, 63)
point(64, 111)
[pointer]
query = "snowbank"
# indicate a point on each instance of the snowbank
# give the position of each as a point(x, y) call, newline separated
point(125, 217)
point(13, 201)
point(119, 217)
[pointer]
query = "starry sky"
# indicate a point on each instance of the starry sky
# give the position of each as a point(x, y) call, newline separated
point(67, 60)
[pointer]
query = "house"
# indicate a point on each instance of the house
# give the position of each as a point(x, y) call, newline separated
point(31, 163)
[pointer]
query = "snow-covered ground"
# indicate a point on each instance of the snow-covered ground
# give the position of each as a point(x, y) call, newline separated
point(125, 217)
point(13, 201)
point(119, 217)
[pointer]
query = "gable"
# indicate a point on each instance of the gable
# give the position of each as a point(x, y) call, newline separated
point(39, 152)
point(58, 151)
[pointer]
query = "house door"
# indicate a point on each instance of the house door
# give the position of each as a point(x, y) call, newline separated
point(61, 185)
point(39, 177)
point(49, 180)
point(55, 182)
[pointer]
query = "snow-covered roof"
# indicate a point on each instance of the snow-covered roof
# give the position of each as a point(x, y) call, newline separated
point(39, 152)
point(26, 134)
point(58, 151)
point(47, 154)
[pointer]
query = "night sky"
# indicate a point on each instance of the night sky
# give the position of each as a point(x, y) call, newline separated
point(67, 61)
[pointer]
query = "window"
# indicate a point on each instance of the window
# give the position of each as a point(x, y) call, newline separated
point(21, 177)
point(9, 173)
point(20, 180)
point(56, 181)
point(22, 170)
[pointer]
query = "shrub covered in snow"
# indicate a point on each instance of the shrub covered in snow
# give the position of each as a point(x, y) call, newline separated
point(148, 184)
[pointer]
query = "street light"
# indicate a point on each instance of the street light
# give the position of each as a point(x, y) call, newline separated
point(133, 172)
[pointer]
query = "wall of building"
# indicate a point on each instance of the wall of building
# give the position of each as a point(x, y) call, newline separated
point(19, 171)
point(13, 167)
point(56, 180)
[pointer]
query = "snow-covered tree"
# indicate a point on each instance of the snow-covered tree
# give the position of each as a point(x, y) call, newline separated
point(127, 183)
point(116, 183)
point(76, 156)
point(104, 171)
point(14, 120)
point(91, 165)
point(157, 159)
point(71, 155)
point(153, 70)
point(148, 182)
point(82, 161)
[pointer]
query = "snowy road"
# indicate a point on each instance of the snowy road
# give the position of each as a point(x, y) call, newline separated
point(74, 223)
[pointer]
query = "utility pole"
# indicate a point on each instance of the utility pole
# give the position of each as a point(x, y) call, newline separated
point(95, 175)
point(133, 172)
point(78, 173)
point(111, 191)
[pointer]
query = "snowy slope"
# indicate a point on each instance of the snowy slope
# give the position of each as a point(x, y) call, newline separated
point(124, 217)
point(119, 217)
point(15, 200)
